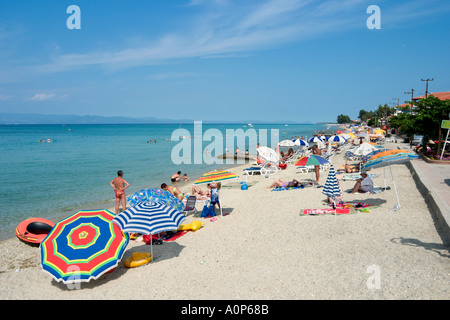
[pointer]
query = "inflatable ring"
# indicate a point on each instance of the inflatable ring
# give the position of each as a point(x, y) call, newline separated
point(138, 259)
point(34, 230)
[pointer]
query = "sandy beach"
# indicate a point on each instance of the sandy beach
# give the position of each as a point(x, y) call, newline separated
point(264, 249)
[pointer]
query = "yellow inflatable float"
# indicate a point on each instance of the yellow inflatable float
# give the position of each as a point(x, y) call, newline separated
point(193, 226)
point(138, 259)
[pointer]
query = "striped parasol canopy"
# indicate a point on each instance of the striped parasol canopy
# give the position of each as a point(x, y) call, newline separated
point(156, 195)
point(315, 139)
point(338, 139)
point(216, 176)
point(149, 218)
point(301, 143)
point(389, 157)
point(83, 247)
point(311, 160)
point(331, 187)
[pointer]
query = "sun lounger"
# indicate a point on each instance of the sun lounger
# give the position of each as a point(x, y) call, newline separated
point(190, 205)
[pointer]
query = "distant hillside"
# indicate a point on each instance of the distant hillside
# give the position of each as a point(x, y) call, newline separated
point(36, 118)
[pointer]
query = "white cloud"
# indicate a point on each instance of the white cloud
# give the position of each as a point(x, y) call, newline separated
point(4, 98)
point(42, 96)
point(236, 29)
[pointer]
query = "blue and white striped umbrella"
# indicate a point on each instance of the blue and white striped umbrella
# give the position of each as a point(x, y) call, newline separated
point(315, 139)
point(301, 143)
point(331, 187)
point(339, 139)
point(149, 218)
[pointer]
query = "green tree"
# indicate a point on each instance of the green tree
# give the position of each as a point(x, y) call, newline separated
point(343, 119)
point(429, 116)
point(366, 115)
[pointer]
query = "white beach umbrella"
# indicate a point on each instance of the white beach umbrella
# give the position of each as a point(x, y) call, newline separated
point(268, 154)
point(287, 143)
point(364, 149)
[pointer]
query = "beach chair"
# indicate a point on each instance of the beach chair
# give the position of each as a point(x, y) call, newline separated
point(190, 205)
point(252, 170)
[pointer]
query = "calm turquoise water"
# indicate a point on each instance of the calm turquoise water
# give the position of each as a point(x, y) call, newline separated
point(53, 180)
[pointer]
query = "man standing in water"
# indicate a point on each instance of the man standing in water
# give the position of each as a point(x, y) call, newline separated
point(120, 184)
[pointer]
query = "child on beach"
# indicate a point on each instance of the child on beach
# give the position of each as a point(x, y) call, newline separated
point(120, 184)
point(214, 195)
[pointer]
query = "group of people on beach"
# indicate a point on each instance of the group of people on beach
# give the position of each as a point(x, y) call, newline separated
point(362, 185)
point(120, 185)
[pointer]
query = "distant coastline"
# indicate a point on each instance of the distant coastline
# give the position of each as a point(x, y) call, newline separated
point(36, 118)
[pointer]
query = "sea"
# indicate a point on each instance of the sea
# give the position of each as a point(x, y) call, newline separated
point(53, 171)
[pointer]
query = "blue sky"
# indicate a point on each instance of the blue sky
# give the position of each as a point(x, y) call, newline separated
point(270, 60)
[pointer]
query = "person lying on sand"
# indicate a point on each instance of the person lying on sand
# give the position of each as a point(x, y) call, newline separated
point(351, 169)
point(283, 184)
point(199, 193)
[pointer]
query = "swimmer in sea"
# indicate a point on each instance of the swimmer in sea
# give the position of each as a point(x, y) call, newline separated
point(120, 184)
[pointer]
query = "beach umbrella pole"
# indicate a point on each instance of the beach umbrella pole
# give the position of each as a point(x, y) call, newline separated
point(397, 205)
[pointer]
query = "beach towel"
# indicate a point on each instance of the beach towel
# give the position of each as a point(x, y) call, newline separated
point(288, 188)
point(375, 190)
point(354, 176)
point(351, 204)
point(292, 188)
point(325, 211)
point(172, 236)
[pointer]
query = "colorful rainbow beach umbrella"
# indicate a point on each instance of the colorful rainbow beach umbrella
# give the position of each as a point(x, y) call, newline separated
point(83, 247)
point(311, 160)
point(216, 176)
point(386, 158)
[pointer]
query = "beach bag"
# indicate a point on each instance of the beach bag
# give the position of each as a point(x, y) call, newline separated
point(208, 211)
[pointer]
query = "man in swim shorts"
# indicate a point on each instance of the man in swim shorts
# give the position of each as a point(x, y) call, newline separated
point(176, 177)
point(120, 184)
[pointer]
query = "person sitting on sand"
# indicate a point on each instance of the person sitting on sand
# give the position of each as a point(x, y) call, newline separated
point(173, 190)
point(283, 184)
point(363, 185)
point(176, 177)
point(185, 177)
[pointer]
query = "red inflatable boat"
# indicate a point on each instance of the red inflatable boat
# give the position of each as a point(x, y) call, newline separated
point(34, 230)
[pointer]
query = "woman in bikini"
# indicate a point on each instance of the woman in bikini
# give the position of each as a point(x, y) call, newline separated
point(173, 190)
point(283, 184)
